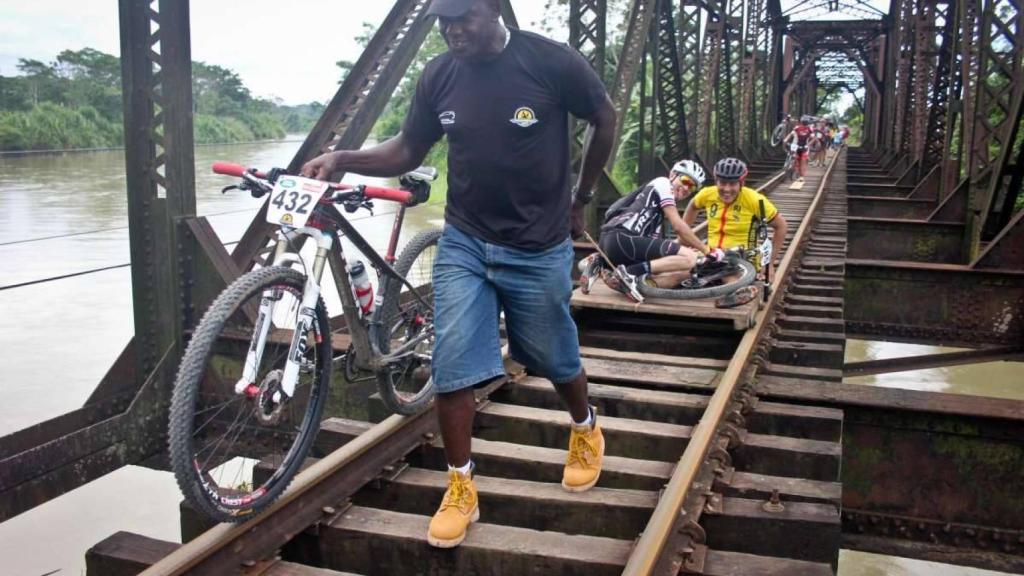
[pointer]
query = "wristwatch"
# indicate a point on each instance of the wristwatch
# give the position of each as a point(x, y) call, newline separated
point(583, 197)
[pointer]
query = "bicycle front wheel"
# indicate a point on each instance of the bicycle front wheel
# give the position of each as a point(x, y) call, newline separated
point(778, 133)
point(406, 323)
point(744, 276)
point(233, 452)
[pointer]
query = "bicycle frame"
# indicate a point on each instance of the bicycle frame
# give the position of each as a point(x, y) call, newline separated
point(362, 330)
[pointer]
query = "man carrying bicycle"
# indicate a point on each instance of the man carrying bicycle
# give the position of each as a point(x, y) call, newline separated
point(800, 136)
point(502, 97)
point(631, 235)
point(734, 211)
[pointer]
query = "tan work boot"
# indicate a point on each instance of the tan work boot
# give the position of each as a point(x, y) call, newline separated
point(583, 464)
point(458, 510)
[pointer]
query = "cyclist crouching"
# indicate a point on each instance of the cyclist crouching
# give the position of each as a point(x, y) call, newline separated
point(733, 212)
point(631, 235)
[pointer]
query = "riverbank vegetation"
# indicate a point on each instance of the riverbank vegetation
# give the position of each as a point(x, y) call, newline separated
point(75, 102)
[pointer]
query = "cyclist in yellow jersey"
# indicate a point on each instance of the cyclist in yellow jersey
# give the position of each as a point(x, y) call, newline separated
point(733, 210)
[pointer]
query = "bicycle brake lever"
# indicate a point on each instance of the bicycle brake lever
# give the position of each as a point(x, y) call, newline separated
point(232, 187)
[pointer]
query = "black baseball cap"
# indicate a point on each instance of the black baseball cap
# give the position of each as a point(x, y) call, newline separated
point(450, 8)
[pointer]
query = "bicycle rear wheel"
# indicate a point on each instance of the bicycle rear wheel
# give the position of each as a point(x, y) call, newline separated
point(745, 271)
point(778, 133)
point(234, 453)
point(404, 384)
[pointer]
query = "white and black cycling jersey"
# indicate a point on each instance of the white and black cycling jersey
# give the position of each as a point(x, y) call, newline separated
point(642, 214)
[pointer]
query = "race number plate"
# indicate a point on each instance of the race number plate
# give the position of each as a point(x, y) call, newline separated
point(293, 200)
point(766, 253)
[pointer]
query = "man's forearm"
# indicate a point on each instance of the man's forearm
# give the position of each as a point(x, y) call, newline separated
point(688, 238)
point(779, 228)
point(390, 158)
point(685, 234)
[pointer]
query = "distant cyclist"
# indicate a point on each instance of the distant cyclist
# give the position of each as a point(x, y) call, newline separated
point(801, 136)
point(733, 211)
point(631, 234)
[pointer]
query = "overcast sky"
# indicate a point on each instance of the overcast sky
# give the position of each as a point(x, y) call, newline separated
point(301, 39)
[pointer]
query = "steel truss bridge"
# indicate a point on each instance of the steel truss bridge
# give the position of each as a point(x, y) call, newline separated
point(911, 237)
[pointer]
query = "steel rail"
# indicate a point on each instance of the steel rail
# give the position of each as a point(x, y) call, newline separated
point(226, 547)
point(651, 544)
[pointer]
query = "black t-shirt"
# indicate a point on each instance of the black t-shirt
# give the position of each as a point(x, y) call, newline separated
point(508, 138)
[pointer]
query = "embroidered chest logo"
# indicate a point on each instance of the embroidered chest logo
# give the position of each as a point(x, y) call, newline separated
point(447, 118)
point(524, 117)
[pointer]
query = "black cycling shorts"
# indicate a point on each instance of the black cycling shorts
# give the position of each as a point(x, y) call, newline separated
point(624, 248)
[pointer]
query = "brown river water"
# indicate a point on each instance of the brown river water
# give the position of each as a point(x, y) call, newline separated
point(65, 214)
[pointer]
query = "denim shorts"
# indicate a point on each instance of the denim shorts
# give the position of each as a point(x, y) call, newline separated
point(473, 281)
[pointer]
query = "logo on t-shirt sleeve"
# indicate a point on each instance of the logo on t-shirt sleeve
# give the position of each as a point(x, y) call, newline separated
point(524, 117)
point(447, 118)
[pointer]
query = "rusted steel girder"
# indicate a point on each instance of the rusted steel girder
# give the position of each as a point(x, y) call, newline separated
point(925, 30)
point(1000, 43)
point(755, 36)
point(159, 161)
point(939, 469)
point(123, 422)
point(588, 21)
point(1007, 174)
point(688, 25)
point(711, 58)
point(1000, 81)
point(926, 475)
point(641, 14)
point(935, 144)
point(588, 35)
point(874, 118)
point(351, 114)
point(729, 74)
point(967, 90)
point(772, 73)
point(937, 360)
point(1006, 251)
point(762, 122)
point(721, 57)
point(798, 79)
point(954, 305)
point(903, 126)
point(914, 240)
point(669, 91)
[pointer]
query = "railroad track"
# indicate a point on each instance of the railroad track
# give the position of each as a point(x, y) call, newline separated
point(700, 476)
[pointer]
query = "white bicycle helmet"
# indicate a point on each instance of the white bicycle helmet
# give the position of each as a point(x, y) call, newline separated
point(691, 169)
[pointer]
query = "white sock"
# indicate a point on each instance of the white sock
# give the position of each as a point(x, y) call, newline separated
point(589, 421)
point(464, 470)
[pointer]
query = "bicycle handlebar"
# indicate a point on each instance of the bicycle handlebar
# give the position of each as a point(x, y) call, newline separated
point(373, 192)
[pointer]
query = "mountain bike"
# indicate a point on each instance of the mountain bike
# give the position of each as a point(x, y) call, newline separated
point(717, 278)
point(255, 376)
point(710, 278)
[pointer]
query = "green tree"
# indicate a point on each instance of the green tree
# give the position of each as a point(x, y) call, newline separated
point(90, 78)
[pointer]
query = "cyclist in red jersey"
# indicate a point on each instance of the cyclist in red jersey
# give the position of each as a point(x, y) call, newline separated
point(801, 134)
